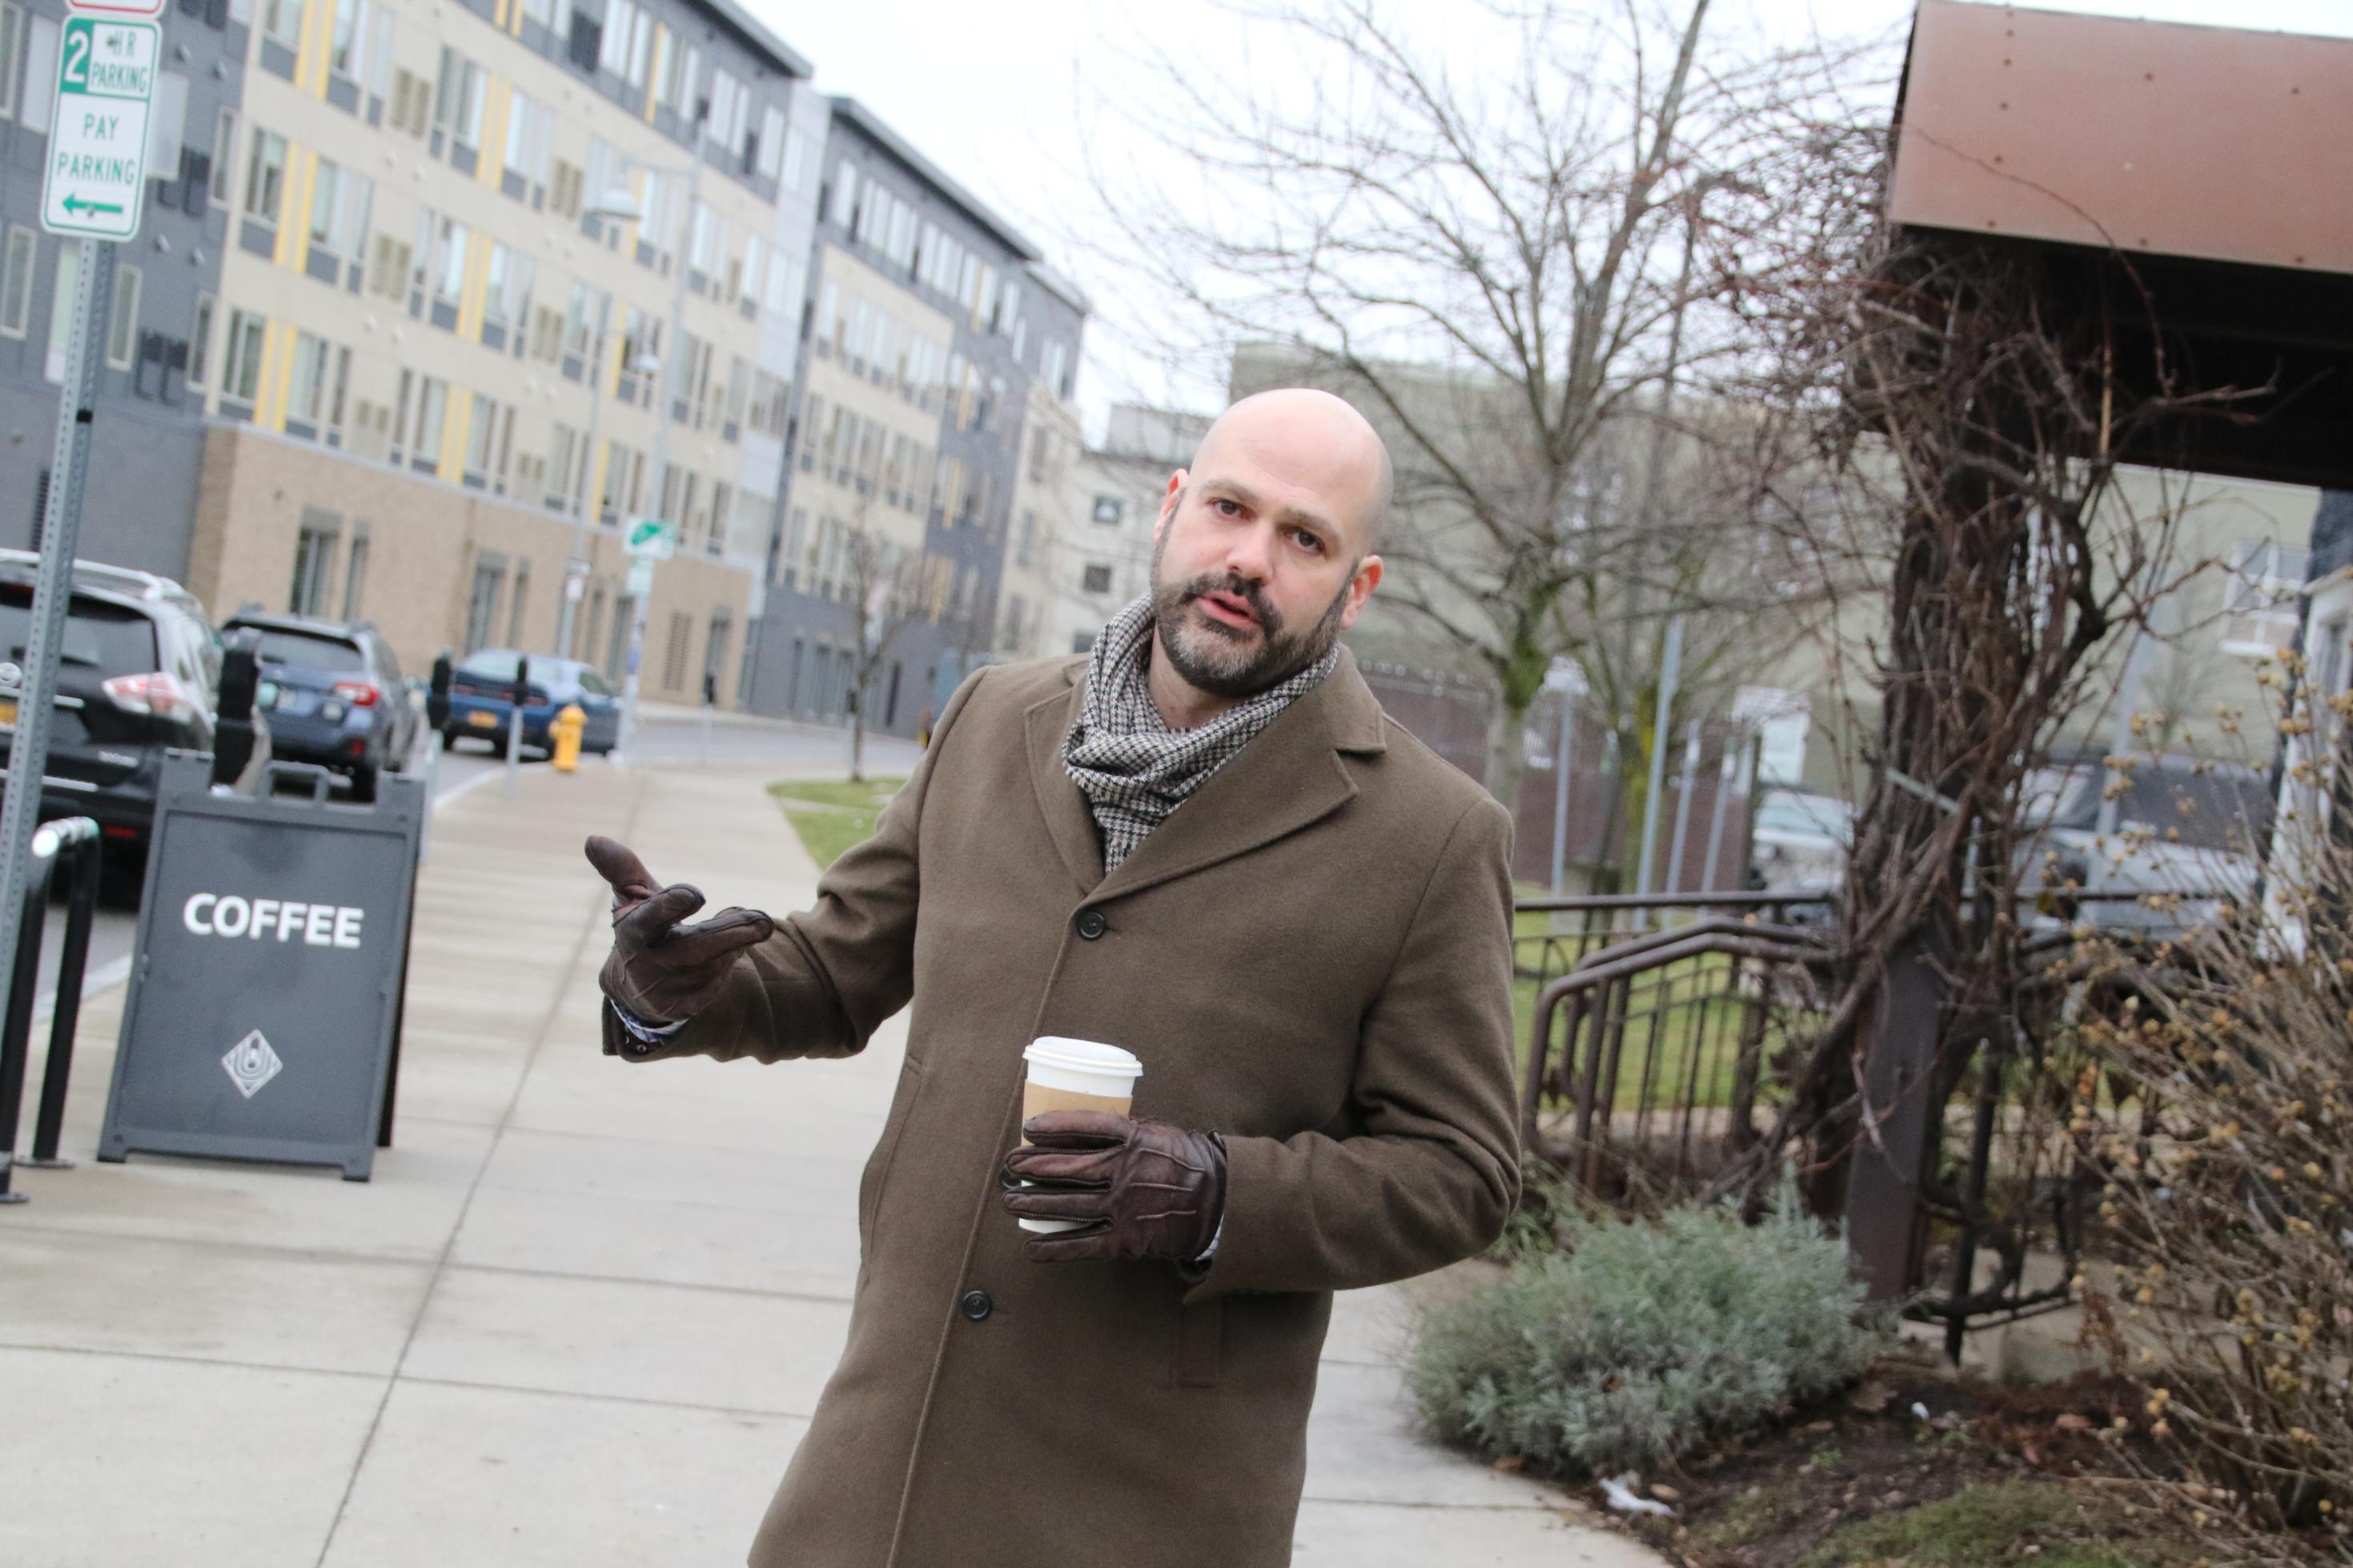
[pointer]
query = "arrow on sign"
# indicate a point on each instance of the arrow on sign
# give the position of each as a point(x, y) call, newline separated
point(77, 205)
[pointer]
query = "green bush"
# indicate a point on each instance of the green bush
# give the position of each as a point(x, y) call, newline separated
point(1642, 1343)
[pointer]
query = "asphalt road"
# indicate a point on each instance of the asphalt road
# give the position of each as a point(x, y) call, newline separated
point(472, 765)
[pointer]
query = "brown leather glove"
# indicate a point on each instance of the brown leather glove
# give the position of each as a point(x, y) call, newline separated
point(1145, 1188)
point(660, 971)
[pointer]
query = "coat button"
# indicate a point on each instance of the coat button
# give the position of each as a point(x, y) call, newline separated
point(1092, 924)
point(977, 1305)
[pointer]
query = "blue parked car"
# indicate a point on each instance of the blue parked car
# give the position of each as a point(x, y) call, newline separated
point(481, 700)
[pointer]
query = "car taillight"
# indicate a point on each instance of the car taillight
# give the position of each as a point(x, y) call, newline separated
point(157, 693)
point(358, 693)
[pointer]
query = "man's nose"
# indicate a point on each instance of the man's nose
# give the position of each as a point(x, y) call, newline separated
point(1250, 554)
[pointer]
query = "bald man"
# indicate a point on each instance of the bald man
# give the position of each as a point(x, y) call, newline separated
point(1203, 844)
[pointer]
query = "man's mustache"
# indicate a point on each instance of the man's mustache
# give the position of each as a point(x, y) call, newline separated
point(1251, 593)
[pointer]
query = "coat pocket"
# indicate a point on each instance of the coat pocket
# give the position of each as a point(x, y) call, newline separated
point(886, 1150)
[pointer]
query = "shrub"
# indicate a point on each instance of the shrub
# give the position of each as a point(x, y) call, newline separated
point(2215, 1120)
point(1642, 1343)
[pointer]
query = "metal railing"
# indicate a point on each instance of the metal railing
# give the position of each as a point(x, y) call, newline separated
point(1655, 1034)
point(70, 843)
point(1650, 1022)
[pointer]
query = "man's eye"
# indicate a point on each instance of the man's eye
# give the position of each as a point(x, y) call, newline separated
point(1308, 541)
point(1227, 508)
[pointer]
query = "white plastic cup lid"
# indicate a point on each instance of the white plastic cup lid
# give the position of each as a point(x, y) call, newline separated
point(1083, 1056)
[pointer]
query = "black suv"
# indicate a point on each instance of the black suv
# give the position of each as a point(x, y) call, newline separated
point(339, 701)
point(138, 673)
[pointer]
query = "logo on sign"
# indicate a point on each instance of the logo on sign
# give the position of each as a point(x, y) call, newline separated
point(251, 1064)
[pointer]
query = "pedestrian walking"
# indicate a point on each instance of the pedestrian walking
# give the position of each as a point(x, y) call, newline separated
point(1204, 843)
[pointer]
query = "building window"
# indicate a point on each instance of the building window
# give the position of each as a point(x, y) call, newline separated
point(282, 20)
point(200, 342)
point(123, 319)
point(1083, 642)
point(306, 394)
point(40, 96)
point(682, 630)
point(482, 424)
point(265, 177)
point(242, 361)
point(224, 157)
point(432, 413)
point(315, 550)
point(16, 281)
point(355, 573)
point(482, 602)
point(2263, 598)
point(412, 103)
point(1108, 508)
point(616, 642)
point(522, 598)
point(714, 650)
point(12, 56)
point(457, 100)
point(1098, 579)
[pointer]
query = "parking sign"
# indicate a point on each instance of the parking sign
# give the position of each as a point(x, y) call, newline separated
point(96, 175)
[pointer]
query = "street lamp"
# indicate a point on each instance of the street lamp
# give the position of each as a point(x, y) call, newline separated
point(622, 205)
point(619, 207)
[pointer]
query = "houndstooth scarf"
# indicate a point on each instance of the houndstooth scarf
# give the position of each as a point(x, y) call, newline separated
point(1132, 767)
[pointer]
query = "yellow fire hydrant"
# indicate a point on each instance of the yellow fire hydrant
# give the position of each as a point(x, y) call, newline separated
point(567, 727)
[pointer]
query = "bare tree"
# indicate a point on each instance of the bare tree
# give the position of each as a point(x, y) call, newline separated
point(1957, 409)
point(885, 585)
point(1510, 275)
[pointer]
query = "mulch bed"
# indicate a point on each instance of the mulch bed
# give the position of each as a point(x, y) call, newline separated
point(1769, 1500)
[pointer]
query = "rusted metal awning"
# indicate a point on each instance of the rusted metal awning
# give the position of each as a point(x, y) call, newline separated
point(2215, 164)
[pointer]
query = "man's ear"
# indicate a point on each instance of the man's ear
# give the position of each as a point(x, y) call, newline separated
point(1169, 499)
point(1360, 588)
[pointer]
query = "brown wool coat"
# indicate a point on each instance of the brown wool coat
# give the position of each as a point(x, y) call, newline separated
point(1312, 957)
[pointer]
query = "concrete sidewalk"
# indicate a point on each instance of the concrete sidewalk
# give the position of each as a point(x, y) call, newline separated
point(582, 1312)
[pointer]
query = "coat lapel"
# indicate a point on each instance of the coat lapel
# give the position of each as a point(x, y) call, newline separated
point(1067, 822)
point(1288, 776)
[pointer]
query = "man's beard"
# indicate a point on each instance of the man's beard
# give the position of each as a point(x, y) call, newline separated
point(1223, 660)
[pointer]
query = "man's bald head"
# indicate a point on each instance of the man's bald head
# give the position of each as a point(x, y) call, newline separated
point(1314, 438)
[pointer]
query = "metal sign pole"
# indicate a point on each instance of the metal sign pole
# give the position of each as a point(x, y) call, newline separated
point(28, 755)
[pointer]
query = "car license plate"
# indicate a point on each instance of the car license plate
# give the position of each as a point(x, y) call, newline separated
point(7, 711)
point(481, 720)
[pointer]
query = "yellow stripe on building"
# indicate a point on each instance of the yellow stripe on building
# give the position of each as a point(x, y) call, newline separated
point(310, 51)
point(277, 375)
point(294, 222)
point(475, 292)
point(653, 87)
point(499, 20)
point(498, 102)
point(452, 466)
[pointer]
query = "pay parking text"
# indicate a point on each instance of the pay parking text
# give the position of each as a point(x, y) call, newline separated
point(319, 925)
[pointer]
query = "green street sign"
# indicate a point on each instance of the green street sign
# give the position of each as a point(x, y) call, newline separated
point(651, 538)
point(96, 175)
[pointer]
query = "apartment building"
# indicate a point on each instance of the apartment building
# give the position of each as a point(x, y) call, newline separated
point(148, 430)
point(930, 320)
point(1101, 557)
point(452, 236)
point(1042, 508)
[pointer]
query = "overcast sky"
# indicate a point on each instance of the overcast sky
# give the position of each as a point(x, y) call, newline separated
point(990, 91)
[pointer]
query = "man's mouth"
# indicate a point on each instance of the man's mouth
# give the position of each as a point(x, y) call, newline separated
point(1231, 609)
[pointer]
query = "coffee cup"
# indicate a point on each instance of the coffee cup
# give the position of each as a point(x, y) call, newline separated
point(1065, 1074)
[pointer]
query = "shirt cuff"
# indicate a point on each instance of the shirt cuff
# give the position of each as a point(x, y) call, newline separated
point(646, 1035)
point(1207, 1253)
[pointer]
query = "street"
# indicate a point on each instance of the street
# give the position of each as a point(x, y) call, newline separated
point(665, 738)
